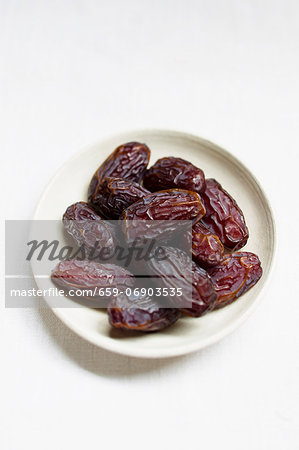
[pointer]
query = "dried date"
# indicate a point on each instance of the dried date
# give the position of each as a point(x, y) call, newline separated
point(171, 172)
point(203, 293)
point(88, 229)
point(207, 249)
point(128, 161)
point(155, 215)
point(80, 211)
point(77, 274)
point(223, 216)
point(113, 195)
point(180, 275)
point(140, 313)
point(237, 273)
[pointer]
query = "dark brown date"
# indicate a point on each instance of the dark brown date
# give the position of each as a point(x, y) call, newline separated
point(128, 161)
point(223, 216)
point(77, 274)
point(180, 275)
point(167, 206)
point(237, 273)
point(171, 172)
point(207, 249)
point(140, 313)
point(203, 293)
point(113, 195)
point(80, 211)
point(88, 229)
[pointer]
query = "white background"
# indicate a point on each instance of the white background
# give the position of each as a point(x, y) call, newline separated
point(75, 71)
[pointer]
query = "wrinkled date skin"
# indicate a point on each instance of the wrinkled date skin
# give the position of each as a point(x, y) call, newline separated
point(80, 211)
point(203, 293)
point(237, 273)
point(128, 161)
point(114, 195)
point(168, 206)
point(224, 217)
point(140, 314)
point(178, 272)
point(77, 274)
point(207, 249)
point(171, 172)
point(88, 229)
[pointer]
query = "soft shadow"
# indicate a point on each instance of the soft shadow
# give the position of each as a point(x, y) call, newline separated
point(97, 360)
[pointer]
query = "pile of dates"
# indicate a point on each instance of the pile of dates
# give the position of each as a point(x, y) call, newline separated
point(148, 202)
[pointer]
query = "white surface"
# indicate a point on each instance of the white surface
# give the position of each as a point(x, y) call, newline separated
point(70, 184)
point(72, 71)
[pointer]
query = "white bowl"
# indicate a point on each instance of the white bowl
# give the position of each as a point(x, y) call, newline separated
point(70, 184)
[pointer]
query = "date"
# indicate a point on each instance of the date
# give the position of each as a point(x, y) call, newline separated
point(77, 274)
point(237, 273)
point(207, 249)
point(88, 229)
point(114, 195)
point(171, 172)
point(155, 215)
point(140, 313)
point(178, 273)
point(203, 293)
point(80, 211)
point(223, 216)
point(128, 161)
